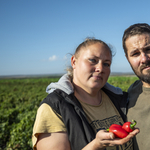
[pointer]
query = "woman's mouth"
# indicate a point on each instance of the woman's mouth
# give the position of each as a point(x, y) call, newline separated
point(97, 77)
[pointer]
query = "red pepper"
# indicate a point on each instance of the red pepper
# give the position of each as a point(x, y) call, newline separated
point(118, 131)
point(122, 131)
point(117, 125)
point(129, 126)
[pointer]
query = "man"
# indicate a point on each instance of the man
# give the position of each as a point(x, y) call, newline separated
point(136, 44)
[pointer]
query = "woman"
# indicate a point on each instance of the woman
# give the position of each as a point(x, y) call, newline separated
point(82, 105)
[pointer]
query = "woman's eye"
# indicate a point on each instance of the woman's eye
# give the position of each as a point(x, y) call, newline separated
point(106, 64)
point(93, 60)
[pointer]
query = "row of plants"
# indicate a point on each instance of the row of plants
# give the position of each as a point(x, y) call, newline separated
point(19, 101)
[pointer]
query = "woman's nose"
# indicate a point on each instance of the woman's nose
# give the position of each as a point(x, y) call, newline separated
point(99, 67)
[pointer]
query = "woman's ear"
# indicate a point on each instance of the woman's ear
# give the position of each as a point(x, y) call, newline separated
point(73, 61)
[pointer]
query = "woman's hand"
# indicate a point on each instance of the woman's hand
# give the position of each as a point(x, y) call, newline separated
point(105, 139)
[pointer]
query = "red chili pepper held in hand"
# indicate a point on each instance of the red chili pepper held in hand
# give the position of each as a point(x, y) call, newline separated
point(118, 131)
point(129, 126)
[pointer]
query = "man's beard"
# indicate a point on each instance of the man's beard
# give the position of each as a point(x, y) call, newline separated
point(143, 77)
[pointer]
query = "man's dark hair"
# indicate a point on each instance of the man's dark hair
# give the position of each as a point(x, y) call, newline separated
point(136, 29)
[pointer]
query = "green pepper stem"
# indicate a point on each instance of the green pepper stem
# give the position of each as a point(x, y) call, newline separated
point(132, 124)
point(108, 130)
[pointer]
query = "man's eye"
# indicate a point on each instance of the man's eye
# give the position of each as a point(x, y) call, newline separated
point(93, 60)
point(135, 54)
point(148, 50)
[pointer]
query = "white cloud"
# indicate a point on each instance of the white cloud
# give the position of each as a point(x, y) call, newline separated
point(52, 58)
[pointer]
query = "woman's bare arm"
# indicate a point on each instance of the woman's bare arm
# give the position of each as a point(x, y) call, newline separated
point(53, 141)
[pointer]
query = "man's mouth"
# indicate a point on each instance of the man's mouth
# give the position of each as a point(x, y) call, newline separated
point(145, 69)
point(145, 66)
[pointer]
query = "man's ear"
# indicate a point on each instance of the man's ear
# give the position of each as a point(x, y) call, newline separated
point(73, 61)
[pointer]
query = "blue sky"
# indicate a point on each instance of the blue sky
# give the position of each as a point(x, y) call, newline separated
point(37, 35)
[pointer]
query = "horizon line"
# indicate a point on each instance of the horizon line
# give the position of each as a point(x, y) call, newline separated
point(54, 75)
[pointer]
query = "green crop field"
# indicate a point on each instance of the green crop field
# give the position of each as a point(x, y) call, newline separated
point(19, 101)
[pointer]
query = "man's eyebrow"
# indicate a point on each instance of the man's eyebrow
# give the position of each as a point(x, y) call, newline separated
point(133, 51)
point(147, 46)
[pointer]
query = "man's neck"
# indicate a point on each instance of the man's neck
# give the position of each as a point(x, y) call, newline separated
point(147, 85)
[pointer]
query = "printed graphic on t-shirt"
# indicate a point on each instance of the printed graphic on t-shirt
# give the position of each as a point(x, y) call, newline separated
point(106, 123)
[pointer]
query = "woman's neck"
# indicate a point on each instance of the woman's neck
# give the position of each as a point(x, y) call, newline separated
point(90, 97)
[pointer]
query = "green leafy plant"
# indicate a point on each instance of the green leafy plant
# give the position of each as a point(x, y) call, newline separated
point(19, 101)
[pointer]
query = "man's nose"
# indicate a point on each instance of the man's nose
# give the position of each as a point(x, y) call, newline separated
point(144, 57)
